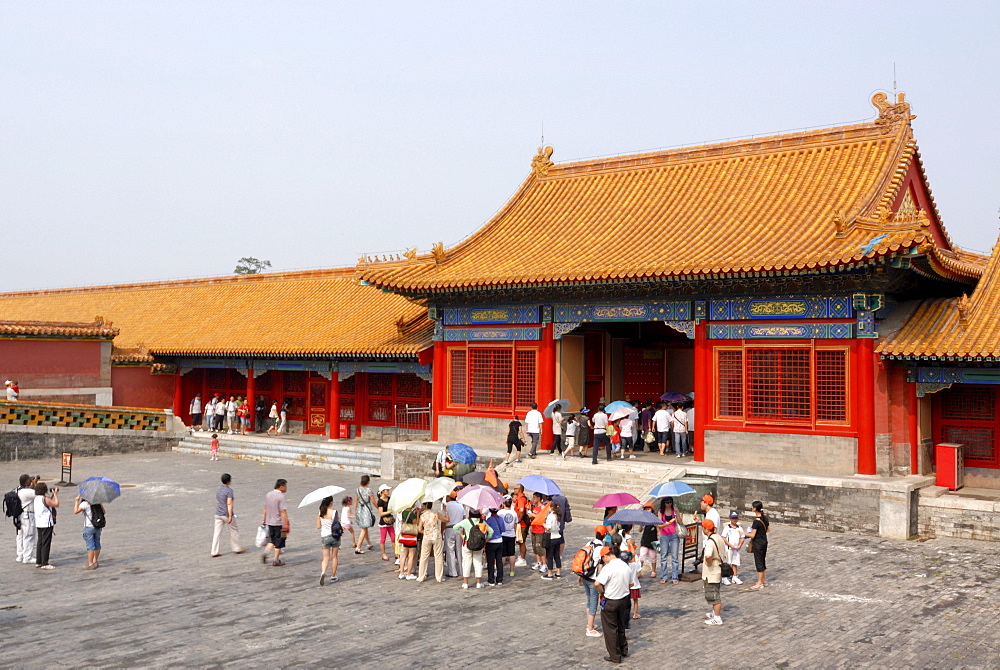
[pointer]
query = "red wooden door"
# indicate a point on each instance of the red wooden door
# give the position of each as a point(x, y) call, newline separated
point(316, 411)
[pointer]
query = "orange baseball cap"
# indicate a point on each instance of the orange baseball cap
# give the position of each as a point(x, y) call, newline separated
point(603, 530)
point(708, 524)
point(605, 551)
point(708, 499)
point(647, 505)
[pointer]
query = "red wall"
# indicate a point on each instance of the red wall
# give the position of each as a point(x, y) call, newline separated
point(52, 363)
point(133, 386)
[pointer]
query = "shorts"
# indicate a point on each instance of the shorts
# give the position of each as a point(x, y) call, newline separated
point(662, 437)
point(92, 536)
point(536, 544)
point(508, 547)
point(244, 421)
point(275, 537)
point(330, 542)
point(514, 445)
point(648, 554)
point(712, 595)
point(384, 531)
point(734, 557)
point(635, 594)
point(215, 452)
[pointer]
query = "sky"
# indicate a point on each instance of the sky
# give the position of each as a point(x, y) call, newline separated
point(156, 140)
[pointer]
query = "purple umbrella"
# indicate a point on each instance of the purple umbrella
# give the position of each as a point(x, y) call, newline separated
point(674, 398)
point(616, 500)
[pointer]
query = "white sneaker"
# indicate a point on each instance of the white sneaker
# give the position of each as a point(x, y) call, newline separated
point(725, 581)
point(737, 580)
point(28, 561)
point(402, 576)
point(479, 585)
point(632, 456)
point(714, 621)
point(520, 563)
point(397, 562)
point(465, 586)
point(410, 578)
point(709, 615)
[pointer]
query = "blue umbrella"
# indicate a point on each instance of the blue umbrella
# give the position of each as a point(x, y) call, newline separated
point(462, 453)
point(617, 404)
point(540, 484)
point(99, 490)
point(671, 489)
point(635, 517)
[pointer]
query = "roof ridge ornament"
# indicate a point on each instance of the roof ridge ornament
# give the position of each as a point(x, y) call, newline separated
point(438, 252)
point(890, 114)
point(541, 163)
point(964, 308)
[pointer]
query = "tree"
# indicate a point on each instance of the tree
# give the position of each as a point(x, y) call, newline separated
point(248, 265)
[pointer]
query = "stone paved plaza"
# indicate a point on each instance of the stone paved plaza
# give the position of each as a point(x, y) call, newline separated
point(160, 600)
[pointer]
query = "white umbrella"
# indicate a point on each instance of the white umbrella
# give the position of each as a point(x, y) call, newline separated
point(624, 413)
point(407, 493)
point(438, 488)
point(318, 495)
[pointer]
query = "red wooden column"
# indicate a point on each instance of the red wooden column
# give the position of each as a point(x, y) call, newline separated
point(912, 422)
point(702, 387)
point(178, 396)
point(439, 370)
point(866, 406)
point(334, 406)
point(546, 381)
point(252, 398)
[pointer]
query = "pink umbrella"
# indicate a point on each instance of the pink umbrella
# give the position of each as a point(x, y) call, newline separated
point(624, 413)
point(481, 497)
point(616, 500)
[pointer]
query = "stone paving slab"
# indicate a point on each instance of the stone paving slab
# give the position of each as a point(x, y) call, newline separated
point(159, 599)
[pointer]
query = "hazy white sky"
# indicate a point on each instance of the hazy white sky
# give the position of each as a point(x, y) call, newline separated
point(154, 140)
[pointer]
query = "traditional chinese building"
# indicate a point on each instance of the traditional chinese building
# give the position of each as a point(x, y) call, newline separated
point(761, 274)
point(345, 357)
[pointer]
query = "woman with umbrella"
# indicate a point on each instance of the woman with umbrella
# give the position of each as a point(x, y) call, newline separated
point(669, 541)
point(329, 535)
point(91, 532)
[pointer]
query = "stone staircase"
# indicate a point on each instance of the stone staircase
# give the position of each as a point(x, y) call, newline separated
point(583, 483)
point(351, 456)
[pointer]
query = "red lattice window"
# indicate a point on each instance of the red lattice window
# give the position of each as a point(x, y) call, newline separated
point(457, 379)
point(380, 384)
point(969, 415)
point(778, 384)
point(347, 385)
point(347, 410)
point(296, 406)
point(967, 403)
point(730, 381)
point(217, 379)
point(295, 382)
point(409, 386)
point(525, 371)
point(831, 385)
point(379, 410)
point(490, 378)
point(263, 383)
point(978, 443)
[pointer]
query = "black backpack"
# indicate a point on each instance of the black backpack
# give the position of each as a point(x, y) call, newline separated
point(97, 517)
point(477, 538)
point(12, 507)
point(335, 528)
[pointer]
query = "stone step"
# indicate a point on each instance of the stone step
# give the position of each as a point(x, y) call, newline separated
point(319, 455)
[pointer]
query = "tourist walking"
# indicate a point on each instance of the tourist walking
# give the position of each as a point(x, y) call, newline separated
point(533, 427)
point(94, 521)
point(553, 545)
point(26, 529)
point(646, 426)
point(679, 424)
point(583, 432)
point(661, 426)
point(758, 541)
point(475, 535)
point(734, 537)
point(45, 504)
point(195, 411)
point(225, 517)
point(276, 519)
point(283, 414)
point(614, 585)
point(587, 572)
point(711, 573)
point(670, 542)
point(386, 522)
point(626, 428)
point(557, 431)
point(364, 515)
point(273, 416)
point(214, 446)
point(601, 437)
point(569, 435)
point(514, 441)
point(330, 532)
point(347, 517)
point(433, 542)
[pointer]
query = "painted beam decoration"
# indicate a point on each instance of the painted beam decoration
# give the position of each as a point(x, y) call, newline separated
point(792, 331)
point(672, 310)
point(933, 379)
point(786, 307)
point(492, 334)
point(492, 315)
point(346, 369)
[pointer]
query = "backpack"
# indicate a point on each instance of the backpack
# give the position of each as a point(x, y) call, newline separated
point(97, 517)
point(336, 530)
point(12, 507)
point(583, 562)
point(477, 538)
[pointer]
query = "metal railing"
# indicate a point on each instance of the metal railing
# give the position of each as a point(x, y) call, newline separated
point(411, 422)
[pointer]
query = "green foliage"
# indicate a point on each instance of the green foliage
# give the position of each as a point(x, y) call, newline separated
point(248, 265)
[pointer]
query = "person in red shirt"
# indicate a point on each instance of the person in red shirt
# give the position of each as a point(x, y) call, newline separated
point(538, 511)
point(520, 508)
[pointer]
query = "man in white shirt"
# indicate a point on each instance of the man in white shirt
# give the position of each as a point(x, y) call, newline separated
point(679, 422)
point(557, 431)
point(439, 461)
point(600, 423)
point(613, 583)
point(533, 427)
point(711, 572)
point(661, 425)
point(452, 542)
point(26, 533)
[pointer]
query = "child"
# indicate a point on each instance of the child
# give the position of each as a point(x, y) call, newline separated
point(569, 434)
point(634, 589)
point(734, 537)
point(215, 447)
point(648, 544)
point(346, 515)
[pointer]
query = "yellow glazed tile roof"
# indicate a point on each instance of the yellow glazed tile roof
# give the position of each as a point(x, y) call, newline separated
point(93, 330)
point(963, 327)
point(799, 201)
point(313, 313)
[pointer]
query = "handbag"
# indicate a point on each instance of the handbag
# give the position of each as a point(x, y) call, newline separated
point(650, 438)
point(682, 530)
point(750, 546)
point(546, 539)
point(408, 529)
point(262, 536)
point(727, 569)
